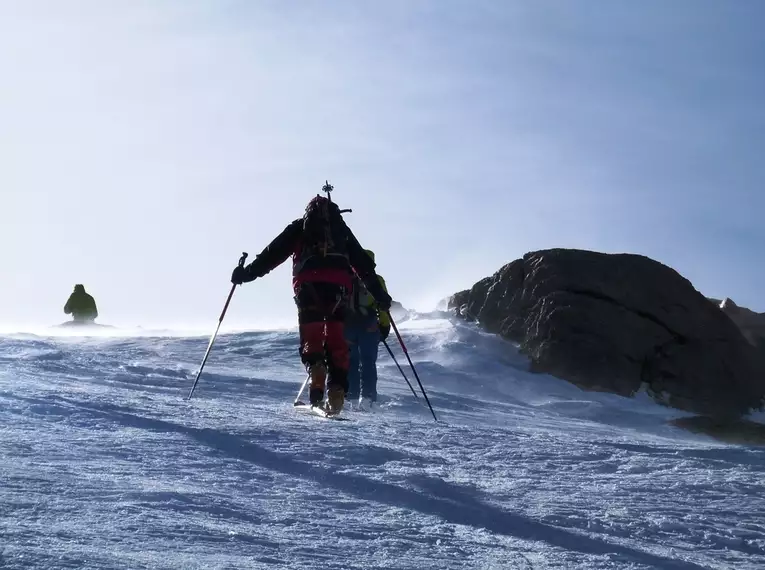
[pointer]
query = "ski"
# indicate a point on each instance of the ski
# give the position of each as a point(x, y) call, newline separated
point(320, 412)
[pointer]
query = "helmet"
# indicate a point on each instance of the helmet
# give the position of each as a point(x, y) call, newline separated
point(315, 202)
point(370, 253)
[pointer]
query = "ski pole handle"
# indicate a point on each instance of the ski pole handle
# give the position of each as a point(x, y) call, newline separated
point(233, 287)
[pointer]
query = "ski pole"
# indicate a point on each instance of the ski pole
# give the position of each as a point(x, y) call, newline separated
point(297, 400)
point(393, 356)
point(215, 334)
point(406, 353)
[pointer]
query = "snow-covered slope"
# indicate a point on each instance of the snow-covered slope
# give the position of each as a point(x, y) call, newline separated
point(104, 465)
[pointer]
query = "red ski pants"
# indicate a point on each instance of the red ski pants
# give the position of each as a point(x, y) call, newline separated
point(321, 312)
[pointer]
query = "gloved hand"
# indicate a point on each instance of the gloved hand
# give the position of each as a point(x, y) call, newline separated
point(239, 275)
point(384, 332)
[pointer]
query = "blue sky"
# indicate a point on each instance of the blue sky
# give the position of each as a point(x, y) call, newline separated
point(146, 144)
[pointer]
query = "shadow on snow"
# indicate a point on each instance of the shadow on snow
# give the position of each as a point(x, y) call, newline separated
point(452, 503)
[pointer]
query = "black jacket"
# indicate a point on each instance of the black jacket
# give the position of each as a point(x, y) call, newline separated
point(352, 259)
point(81, 306)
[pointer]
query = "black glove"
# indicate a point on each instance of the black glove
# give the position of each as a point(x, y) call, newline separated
point(384, 332)
point(239, 275)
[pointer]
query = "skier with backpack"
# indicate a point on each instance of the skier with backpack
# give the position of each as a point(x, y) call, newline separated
point(366, 326)
point(325, 257)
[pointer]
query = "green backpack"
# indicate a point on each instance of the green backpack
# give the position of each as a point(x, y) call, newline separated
point(362, 301)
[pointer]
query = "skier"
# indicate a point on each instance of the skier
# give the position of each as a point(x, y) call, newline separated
point(81, 305)
point(366, 326)
point(325, 256)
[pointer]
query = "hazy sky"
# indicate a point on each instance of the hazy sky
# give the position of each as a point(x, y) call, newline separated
point(145, 144)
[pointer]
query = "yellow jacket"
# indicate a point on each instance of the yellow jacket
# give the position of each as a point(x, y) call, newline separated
point(363, 304)
point(382, 317)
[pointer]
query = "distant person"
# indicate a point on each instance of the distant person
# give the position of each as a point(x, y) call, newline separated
point(366, 326)
point(325, 257)
point(81, 306)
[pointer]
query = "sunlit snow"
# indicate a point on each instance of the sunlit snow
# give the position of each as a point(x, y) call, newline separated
point(105, 465)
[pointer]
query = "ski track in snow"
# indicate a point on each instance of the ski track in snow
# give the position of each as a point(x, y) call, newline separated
point(104, 465)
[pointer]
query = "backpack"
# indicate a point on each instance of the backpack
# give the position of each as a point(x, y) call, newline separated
point(362, 302)
point(324, 233)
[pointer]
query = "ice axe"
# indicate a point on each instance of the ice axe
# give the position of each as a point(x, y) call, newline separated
point(215, 334)
point(328, 189)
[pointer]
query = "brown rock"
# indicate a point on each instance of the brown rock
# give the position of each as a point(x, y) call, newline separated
point(750, 323)
point(615, 321)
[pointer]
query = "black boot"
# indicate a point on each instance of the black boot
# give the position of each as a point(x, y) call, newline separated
point(316, 396)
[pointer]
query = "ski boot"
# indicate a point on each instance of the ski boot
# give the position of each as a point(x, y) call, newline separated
point(318, 372)
point(335, 399)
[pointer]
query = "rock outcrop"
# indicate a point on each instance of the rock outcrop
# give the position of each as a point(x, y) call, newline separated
point(616, 322)
point(750, 323)
point(398, 311)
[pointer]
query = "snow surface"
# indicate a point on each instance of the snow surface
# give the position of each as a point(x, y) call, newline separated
point(104, 464)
